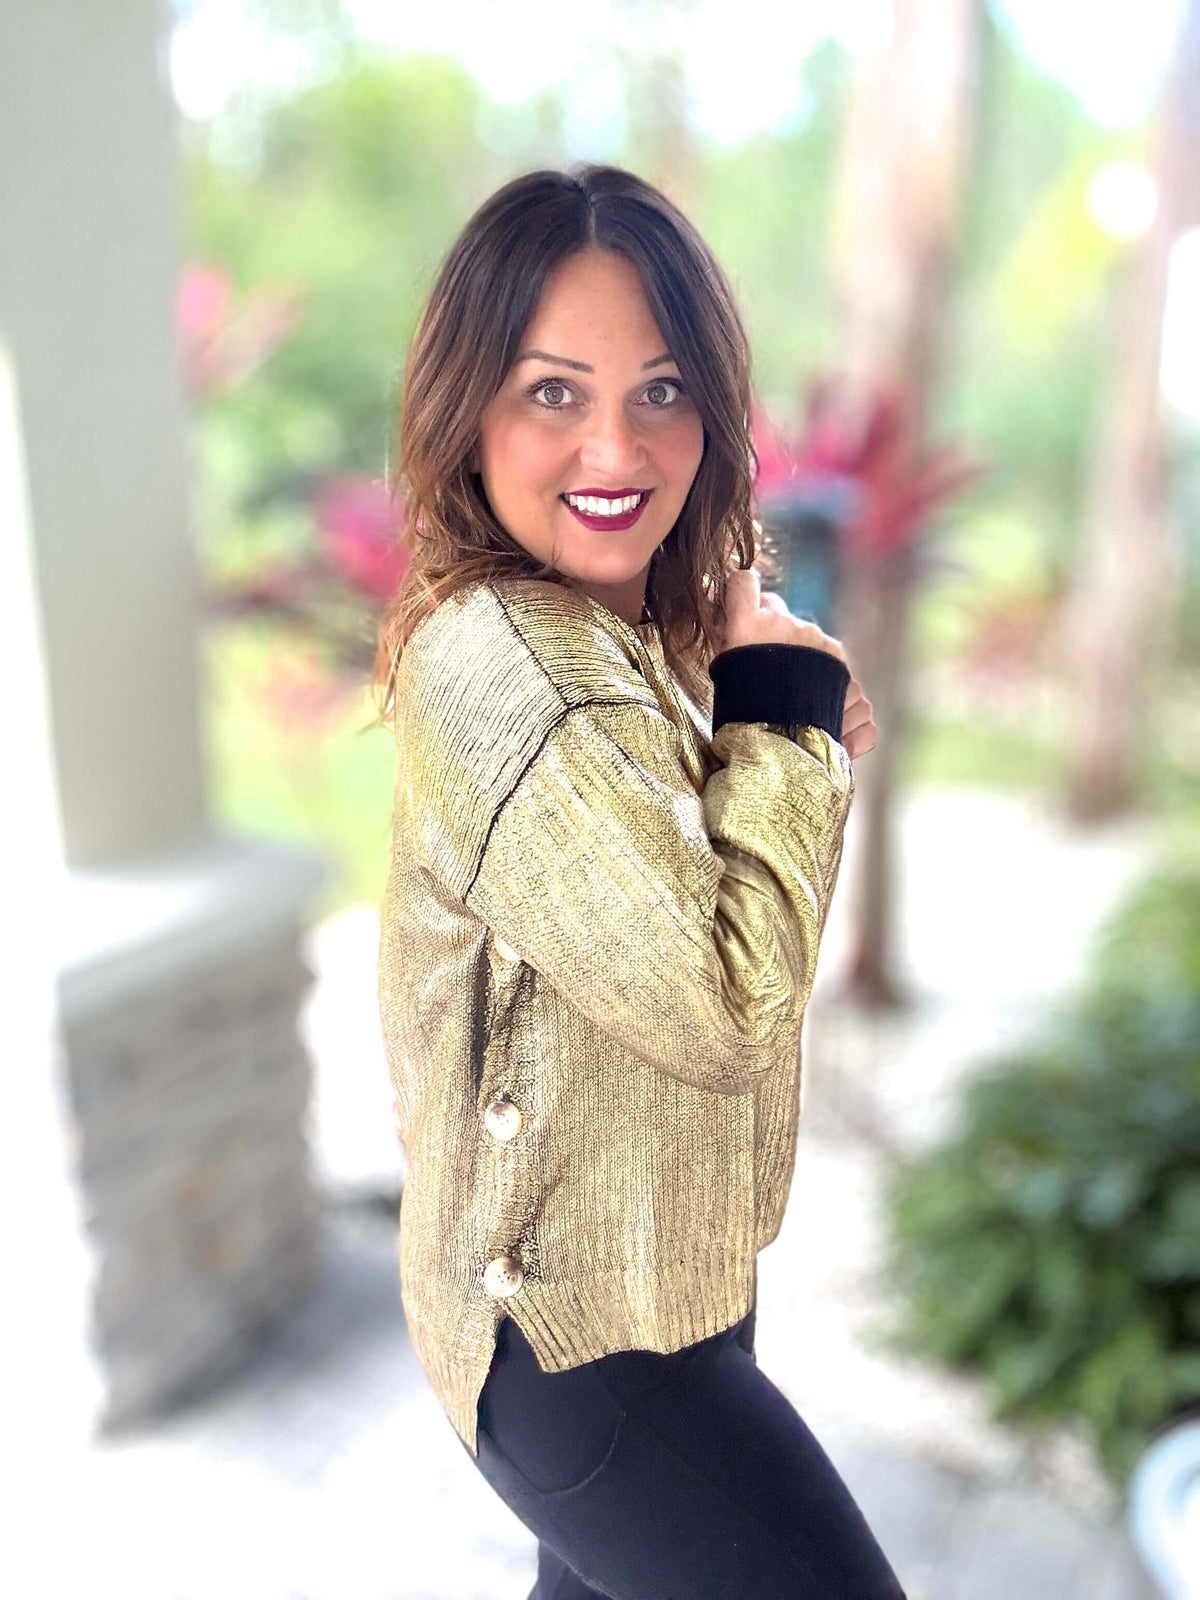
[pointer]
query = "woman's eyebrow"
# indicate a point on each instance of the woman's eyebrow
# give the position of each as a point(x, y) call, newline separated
point(581, 366)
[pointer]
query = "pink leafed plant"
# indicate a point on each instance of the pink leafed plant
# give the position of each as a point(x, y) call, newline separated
point(358, 534)
point(222, 339)
point(875, 451)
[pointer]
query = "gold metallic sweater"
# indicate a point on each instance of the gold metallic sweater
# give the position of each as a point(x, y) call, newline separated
point(599, 936)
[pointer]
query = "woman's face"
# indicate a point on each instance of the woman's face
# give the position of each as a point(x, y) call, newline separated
point(594, 406)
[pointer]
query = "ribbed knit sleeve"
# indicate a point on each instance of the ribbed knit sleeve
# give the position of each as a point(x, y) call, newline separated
point(780, 684)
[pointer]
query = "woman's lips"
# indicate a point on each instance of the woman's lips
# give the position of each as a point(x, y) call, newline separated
point(609, 524)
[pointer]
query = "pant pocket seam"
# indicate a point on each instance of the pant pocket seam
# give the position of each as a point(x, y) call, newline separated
point(570, 1488)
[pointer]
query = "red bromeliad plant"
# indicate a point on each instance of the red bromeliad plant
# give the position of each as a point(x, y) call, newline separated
point(335, 593)
point(892, 487)
point(359, 536)
point(889, 491)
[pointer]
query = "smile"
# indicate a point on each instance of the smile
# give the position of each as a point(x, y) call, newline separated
point(596, 511)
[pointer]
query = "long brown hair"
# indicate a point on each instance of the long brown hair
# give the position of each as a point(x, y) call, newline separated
point(469, 332)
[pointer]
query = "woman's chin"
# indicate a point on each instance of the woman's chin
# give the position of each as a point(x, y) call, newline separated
point(606, 558)
point(609, 574)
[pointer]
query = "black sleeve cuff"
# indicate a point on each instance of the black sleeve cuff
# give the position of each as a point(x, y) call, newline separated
point(784, 684)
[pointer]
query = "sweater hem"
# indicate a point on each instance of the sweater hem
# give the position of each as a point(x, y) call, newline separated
point(568, 1324)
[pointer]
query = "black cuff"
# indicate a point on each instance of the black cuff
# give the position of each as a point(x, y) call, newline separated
point(784, 684)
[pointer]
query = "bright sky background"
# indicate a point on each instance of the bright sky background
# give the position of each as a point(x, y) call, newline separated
point(743, 56)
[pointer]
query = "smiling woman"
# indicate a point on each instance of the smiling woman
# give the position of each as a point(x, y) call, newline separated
point(580, 340)
point(623, 776)
point(589, 447)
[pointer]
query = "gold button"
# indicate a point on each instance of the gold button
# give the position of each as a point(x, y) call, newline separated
point(503, 1119)
point(503, 1276)
point(504, 949)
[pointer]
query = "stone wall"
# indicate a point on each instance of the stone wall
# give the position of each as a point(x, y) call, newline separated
point(190, 1090)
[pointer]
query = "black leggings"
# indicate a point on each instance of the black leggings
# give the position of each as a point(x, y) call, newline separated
point(671, 1477)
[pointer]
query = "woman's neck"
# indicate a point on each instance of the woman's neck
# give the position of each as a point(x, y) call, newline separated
point(625, 600)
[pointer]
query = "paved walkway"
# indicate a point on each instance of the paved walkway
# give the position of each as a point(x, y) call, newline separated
point(327, 1472)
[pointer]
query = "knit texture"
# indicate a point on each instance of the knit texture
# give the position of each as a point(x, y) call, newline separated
point(599, 936)
point(779, 683)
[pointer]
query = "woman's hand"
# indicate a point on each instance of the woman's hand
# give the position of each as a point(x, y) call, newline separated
point(859, 731)
point(752, 617)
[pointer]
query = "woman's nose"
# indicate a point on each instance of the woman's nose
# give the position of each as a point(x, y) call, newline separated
point(612, 446)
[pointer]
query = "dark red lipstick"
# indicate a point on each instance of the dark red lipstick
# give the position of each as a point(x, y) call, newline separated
point(609, 524)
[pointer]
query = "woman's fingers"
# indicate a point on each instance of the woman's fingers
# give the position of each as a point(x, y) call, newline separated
point(858, 708)
point(859, 731)
point(857, 714)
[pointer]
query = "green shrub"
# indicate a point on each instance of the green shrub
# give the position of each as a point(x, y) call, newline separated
point(1052, 1244)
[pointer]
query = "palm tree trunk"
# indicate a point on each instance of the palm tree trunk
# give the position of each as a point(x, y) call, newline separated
point(904, 163)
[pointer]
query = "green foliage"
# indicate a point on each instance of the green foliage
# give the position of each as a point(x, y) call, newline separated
point(977, 753)
point(1052, 1243)
point(350, 189)
point(359, 185)
point(763, 207)
point(318, 775)
point(1028, 340)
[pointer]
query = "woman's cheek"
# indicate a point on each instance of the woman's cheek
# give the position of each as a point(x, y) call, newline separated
point(683, 449)
point(535, 457)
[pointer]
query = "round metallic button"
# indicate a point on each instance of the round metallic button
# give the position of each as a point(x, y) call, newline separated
point(503, 1119)
point(503, 1276)
point(504, 949)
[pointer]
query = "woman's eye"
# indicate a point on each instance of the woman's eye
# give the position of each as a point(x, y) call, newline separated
point(556, 391)
point(552, 394)
point(653, 393)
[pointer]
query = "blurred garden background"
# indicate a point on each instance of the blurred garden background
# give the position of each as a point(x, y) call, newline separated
point(330, 156)
point(965, 236)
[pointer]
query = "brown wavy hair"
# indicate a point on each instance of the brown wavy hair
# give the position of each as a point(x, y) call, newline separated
point(469, 332)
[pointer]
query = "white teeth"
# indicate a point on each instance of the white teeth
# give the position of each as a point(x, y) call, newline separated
point(596, 507)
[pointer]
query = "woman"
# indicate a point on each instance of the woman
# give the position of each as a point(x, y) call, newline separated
point(623, 774)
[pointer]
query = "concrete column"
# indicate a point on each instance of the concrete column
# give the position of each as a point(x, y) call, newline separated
point(87, 286)
point(172, 1078)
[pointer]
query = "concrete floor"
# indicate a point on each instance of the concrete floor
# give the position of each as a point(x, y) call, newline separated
point(327, 1470)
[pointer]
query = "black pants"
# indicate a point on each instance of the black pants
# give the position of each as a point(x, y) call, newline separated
point(687, 1476)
